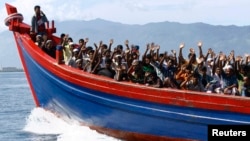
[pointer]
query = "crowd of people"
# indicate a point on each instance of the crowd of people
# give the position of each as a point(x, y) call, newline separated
point(209, 72)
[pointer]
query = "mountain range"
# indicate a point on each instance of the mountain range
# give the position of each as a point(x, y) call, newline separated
point(166, 34)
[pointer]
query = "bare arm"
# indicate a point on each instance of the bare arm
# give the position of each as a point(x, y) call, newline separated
point(163, 58)
point(110, 44)
point(145, 53)
point(96, 66)
point(181, 59)
point(200, 49)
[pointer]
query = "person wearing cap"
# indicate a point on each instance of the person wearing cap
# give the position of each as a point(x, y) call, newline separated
point(39, 41)
point(229, 79)
point(72, 60)
point(209, 64)
point(79, 64)
point(38, 23)
point(135, 73)
point(120, 69)
point(49, 49)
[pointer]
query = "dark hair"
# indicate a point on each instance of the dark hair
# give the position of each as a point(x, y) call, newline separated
point(81, 40)
point(89, 48)
point(190, 54)
point(36, 7)
point(119, 47)
point(204, 68)
point(62, 35)
point(149, 56)
point(105, 46)
point(137, 47)
point(70, 39)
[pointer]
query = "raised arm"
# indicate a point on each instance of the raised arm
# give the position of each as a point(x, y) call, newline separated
point(97, 64)
point(180, 57)
point(200, 49)
point(145, 53)
point(96, 50)
point(157, 47)
point(163, 58)
point(111, 41)
point(209, 52)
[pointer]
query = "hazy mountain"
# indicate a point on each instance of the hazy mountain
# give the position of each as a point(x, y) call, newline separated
point(167, 34)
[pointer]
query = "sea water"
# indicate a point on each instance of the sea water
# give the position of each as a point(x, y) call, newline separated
point(20, 120)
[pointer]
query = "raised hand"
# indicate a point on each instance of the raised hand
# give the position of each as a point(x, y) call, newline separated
point(126, 42)
point(174, 52)
point(100, 44)
point(157, 47)
point(86, 40)
point(199, 44)
point(210, 51)
point(182, 45)
point(111, 41)
point(148, 46)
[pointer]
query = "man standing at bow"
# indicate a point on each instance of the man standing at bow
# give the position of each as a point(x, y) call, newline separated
point(38, 23)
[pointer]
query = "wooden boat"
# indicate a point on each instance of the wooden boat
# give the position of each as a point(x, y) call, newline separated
point(121, 109)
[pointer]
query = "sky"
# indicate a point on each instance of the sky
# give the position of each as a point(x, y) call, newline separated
point(214, 12)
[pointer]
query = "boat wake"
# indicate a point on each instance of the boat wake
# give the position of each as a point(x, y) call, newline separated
point(42, 122)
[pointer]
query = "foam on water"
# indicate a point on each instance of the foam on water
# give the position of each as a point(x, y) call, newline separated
point(44, 122)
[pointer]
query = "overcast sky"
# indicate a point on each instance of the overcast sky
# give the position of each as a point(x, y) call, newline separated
point(215, 12)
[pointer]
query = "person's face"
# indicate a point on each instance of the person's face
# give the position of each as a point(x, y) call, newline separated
point(134, 56)
point(37, 11)
point(71, 47)
point(107, 54)
point(76, 53)
point(218, 70)
point(204, 72)
point(38, 38)
point(119, 60)
point(49, 45)
point(80, 43)
point(119, 49)
point(246, 80)
point(79, 64)
point(195, 80)
point(210, 62)
point(45, 37)
point(155, 58)
point(170, 63)
point(147, 61)
point(150, 78)
point(187, 71)
point(135, 66)
point(91, 55)
point(229, 72)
